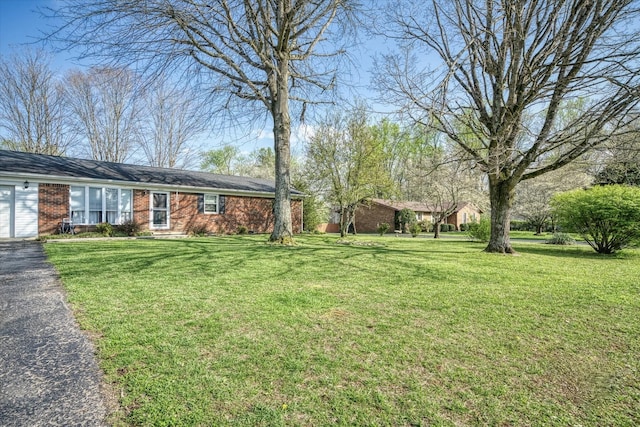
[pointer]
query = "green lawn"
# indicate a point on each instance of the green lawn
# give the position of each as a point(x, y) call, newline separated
point(530, 235)
point(232, 331)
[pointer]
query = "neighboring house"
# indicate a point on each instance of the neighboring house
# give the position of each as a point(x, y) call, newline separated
point(377, 211)
point(38, 191)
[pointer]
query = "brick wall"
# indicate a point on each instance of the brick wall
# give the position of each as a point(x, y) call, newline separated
point(255, 213)
point(369, 217)
point(457, 218)
point(252, 212)
point(141, 208)
point(53, 206)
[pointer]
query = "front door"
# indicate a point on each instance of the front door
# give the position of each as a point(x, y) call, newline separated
point(6, 208)
point(160, 210)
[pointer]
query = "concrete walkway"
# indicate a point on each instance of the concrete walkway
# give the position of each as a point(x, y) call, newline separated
point(48, 373)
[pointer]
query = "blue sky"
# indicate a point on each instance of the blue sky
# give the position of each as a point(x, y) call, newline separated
point(21, 26)
point(18, 21)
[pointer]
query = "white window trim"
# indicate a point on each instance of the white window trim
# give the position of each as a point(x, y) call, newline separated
point(204, 204)
point(152, 226)
point(104, 202)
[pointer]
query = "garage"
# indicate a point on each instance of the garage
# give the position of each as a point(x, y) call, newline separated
point(6, 211)
point(18, 210)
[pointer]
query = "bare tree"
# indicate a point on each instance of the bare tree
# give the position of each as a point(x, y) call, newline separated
point(174, 122)
point(447, 185)
point(618, 160)
point(106, 111)
point(32, 105)
point(506, 68)
point(533, 197)
point(257, 52)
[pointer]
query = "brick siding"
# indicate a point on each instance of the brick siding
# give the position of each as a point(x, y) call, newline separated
point(255, 213)
point(53, 206)
point(369, 217)
point(252, 212)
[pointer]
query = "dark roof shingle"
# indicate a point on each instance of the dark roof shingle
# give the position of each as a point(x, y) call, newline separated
point(67, 167)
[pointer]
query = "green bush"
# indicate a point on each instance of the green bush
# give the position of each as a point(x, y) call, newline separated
point(415, 229)
point(426, 226)
point(464, 227)
point(105, 229)
point(452, 227)
point(561, 239)
point(383, 228)
point(480, 231)
point(129, 228)
point(242, 229)
point(406, 217)
point(444, 228)
point(607, 217)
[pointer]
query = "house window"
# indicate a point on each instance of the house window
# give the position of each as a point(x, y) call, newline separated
point(464, 217)
point(160, 210)
point(111, 205)
point(78, 206)
point(125, 203)
point(93, 205)
point(419, 216)
point(211, 203)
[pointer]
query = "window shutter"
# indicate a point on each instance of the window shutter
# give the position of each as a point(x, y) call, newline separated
point(200, 203)
point(221, 204)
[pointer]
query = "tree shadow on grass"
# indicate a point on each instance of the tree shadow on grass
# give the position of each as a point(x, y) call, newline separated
point(573, 251)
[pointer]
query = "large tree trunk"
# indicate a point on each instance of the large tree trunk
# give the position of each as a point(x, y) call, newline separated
point(344, 222)
point(501, 194)
point(283, 226)
point(436, 229)
point(347, 218)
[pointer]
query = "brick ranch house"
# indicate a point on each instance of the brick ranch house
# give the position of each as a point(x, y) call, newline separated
point(368, 216)
point(38, 191)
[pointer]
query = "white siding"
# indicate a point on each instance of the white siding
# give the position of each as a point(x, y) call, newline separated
point(6, 211)
point(26, 211)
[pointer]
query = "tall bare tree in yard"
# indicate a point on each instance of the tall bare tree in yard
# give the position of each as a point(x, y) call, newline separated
point(106, 111)
point(32, 115)
point(173, 122)
point(505, 68)
point(264, 53)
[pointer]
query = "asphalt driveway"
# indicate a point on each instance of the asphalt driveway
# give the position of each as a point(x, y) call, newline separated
point(48, 373)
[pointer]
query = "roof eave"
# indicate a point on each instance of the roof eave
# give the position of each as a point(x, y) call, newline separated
point(57, 179)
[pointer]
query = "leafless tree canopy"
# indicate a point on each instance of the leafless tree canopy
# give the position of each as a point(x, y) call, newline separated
point(173, 123)
point(248, 51)
point(503, 71)
point(236, 46)
point(106, 112)
point(31, 105)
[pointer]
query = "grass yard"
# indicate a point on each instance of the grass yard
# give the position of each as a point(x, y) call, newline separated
point(232, 331)
point(530, 235)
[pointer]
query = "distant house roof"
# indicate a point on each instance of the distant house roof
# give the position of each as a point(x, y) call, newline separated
point(14, 163)
point(418, 206)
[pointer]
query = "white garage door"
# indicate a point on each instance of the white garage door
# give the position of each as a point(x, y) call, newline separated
point(6, 207)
